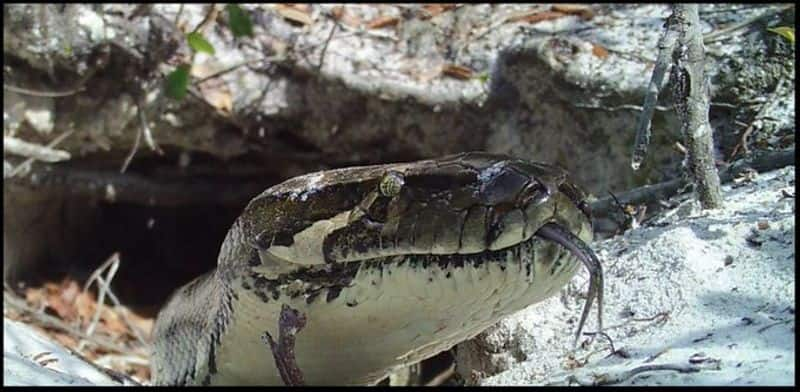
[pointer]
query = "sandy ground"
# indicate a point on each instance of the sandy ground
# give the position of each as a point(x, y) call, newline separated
point(707, 294)
point(711, 292)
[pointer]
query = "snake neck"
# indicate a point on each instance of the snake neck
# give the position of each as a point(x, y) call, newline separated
point(200, 313)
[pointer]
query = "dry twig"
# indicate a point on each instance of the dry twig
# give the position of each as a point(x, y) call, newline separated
point(616, 378)
point(761, 162)
point(327, 41)
point(104, 287)
point(237, 66)
point(20, 147)
point(212, 13)
point(112, 265)
point(40, 93)
point(178, 14)
point(768, 326)
point(144, 130)
point(148, 134)
point(666, 45)
point(22, 166)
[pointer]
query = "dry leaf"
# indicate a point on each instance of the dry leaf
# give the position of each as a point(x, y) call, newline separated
point(337, 12)
point(424, 75)
point(60, 298)
point(139, 371)
point(340, 13)
point(69, 290)
point(114, 323)
point(220, 98)
point(383, 21)
point(304, 7)
point(64, 339)
point(537, 17)
point(457, 71)
point(294, 14)
point(90, 353)
point(144, 324)
point(215, 90)
point(34, 296)
point(582, 10)
point(85, 305)
point(599, 51)
point(432, 10)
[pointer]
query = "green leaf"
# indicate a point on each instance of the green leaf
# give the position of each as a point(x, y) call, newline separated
point(178, 82)
point(199, 43)
point(784, 31)
point(239, 21)
point(483, 77)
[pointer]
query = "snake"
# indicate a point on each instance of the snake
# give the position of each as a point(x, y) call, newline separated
point(389, 264)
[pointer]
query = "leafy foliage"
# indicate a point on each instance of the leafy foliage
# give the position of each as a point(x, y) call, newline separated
point(199, 43)
point(178, 81)
point(239, 21)
point(785, 32)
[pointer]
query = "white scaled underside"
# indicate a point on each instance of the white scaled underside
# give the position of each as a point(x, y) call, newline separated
point(399, 315)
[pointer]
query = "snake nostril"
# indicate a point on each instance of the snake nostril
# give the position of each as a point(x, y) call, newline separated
point(533, 193)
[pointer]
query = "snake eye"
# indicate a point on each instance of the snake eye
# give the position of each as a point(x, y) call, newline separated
point(391, 183)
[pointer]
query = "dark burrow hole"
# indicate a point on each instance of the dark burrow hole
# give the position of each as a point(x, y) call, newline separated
point(67, 226)
point(160, 248)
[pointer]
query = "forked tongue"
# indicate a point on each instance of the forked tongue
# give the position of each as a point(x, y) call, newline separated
point(556, 233)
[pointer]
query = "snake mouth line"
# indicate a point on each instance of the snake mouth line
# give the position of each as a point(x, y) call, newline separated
point(311, 282)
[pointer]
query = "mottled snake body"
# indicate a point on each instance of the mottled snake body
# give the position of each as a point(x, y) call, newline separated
point(390, 264)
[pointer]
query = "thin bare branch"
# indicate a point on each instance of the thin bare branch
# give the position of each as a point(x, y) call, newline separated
point(104, 287)
point(148, 134)
point(212, 13)
point(691, 96)
point(237, 66)
point(111, 265)
point(134, 148)
point(178, 14)
point(768, 326)
point(666, 45)
point(20, 147)
point(616, 378)
point(25, 164)
point(41, 93)
point(762, 161)
point(327, 41)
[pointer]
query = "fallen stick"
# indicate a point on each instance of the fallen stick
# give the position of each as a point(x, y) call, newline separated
point(619, 377)
point(20, 147)
point(762, 162)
